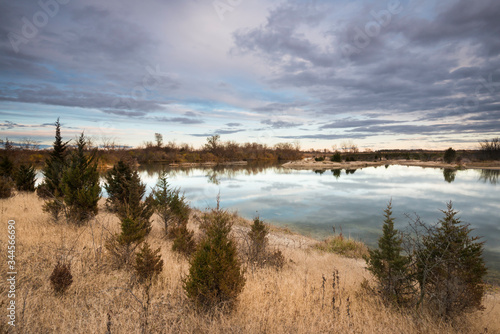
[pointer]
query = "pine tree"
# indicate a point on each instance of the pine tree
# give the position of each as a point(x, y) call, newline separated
point(6, 167)
point(450, 155)
point(258, 241)
point(117, 180)
point(148, 263)
point(170, 205)
point(387, 263)
point(54, 166)
point(125, 195)
point(215, 278)
point(25, 178)
point(451, 267)
point(80, 184)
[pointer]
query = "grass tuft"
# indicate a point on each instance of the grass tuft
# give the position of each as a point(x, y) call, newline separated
point(347, 247)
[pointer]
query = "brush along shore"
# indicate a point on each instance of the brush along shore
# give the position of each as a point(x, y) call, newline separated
point(315, 291)
point(310, 163)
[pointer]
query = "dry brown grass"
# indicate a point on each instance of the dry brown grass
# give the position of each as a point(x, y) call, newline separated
point(297, 299)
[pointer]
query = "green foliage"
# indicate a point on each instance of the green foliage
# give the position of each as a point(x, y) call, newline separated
point(148, 263)
point(25, 178)
point(450, 155)
point(132, 232)
point(336, 157)
point(215, 278)
point(61, 277)
point(80, 184)
point(54, 166)
point(450, 267)
point(183, 240)
point(258, 242)
point(125, 195)
point(6, 167)
point(449, 174)
point(117, 181)
point(54, 208)
point(387, 263)
point(322, 158)
point(170, 205)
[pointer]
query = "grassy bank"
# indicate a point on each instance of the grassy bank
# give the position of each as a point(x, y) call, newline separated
point(296, 299)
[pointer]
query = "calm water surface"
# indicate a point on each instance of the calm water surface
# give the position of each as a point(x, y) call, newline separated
point(312, 202)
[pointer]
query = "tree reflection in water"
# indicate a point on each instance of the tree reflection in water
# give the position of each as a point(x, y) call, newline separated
point(489, 175)
point(449, 174)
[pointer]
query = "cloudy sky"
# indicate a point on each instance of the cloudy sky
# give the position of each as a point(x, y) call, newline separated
point(400, 74)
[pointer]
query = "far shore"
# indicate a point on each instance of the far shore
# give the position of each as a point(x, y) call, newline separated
point(309, 163)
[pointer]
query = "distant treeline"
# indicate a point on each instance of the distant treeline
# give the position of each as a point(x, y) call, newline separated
point(218, 151)
point(214, 150)
point(488, 150)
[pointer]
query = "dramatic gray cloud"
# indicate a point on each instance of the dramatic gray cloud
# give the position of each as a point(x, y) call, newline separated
point(372, 71)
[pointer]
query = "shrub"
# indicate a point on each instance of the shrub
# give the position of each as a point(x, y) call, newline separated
point(183, 240)
point(319, 159)
point(148, 263)
point(170, 205)
point(336, 157)
point(490, 149)
point(6, 167)
point(215, 278)
point(80, 184)
point(275, 259)
point(387, 264)
point(450, 267)
point(61, 277)
point(121, 246)
point(450, 155)
point(6, 186)
point(25, 178)
point(54, 208)
point(258, 242)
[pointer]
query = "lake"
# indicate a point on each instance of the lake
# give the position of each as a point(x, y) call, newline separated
point(351, 201)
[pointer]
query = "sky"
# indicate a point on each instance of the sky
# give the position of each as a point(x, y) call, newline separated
point(382, 74)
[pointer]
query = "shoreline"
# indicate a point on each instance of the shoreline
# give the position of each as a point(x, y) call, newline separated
point(311, 164)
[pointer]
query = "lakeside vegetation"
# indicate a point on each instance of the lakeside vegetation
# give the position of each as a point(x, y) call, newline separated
point(105, 256)
point(217, 151)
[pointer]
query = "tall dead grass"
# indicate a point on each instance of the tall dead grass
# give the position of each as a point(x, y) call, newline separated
point(315, 292)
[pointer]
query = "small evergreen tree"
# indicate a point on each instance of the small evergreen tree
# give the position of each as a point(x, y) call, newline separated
point(135, 207)
point(55, 165)
point(6, 174)
point(148, 263)
point(450, 155)
point(51, 187)
point(6, 167)
point(183, 239)
point(215, 278)
point(117, 181)
point(170, 205)
point(25, 178)
point(451, 267)
point(258, 241)
point(387, 263)
point(125, 195)
point(80, 184)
